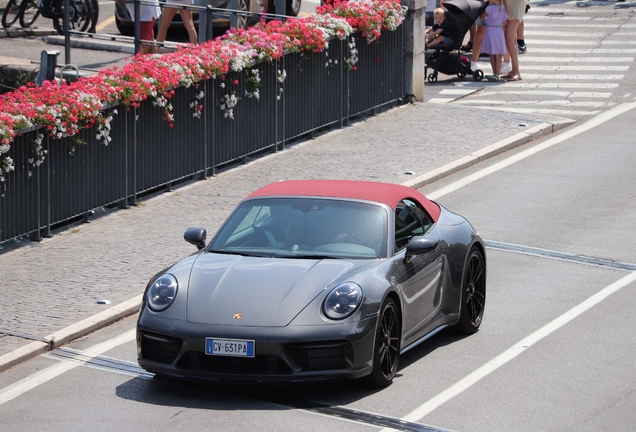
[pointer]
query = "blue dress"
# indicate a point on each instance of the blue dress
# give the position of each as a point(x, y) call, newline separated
point(494, 39)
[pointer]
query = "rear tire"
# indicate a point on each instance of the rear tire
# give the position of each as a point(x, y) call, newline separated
point(473, 300)
point(386, 349)
point(293, 7)
point(30, 12)
point(243, 6)
point(80, 17)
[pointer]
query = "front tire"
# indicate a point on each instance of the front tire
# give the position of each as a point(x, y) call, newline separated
point(473, 293)
point(386, 349)
point(11, 13)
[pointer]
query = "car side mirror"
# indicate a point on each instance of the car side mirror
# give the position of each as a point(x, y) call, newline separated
point(419, 245)
point(196, 236)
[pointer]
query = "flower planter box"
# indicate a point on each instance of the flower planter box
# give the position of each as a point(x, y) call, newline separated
point(146, 152)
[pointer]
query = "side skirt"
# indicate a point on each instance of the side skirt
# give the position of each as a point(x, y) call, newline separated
point(424, 338)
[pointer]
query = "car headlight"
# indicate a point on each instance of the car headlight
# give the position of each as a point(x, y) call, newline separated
point(342, 301)
point(162, 292)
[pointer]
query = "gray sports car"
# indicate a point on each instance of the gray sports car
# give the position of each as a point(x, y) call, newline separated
point(312, 280)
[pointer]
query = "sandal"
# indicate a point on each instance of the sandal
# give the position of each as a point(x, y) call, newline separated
point(467, 47)
point(515, 77)
point(507, 76)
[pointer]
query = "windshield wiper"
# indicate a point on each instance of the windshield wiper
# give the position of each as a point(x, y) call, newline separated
point(315, 256)
point(247, 254)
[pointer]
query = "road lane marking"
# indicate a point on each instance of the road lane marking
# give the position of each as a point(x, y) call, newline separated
point(564, 85)
point(562, 256)
point(584, 51)
point(110, 364)
point(564, 93)
point(586, 77)
point(510, 109)
point(601, 60)
point(24, 385)
point(108, 21)
point(517, 349)
point(542, 25)
point(576, 67)
point(562, 103)
point(570, 133)
point(531, 42)
point(572, 34)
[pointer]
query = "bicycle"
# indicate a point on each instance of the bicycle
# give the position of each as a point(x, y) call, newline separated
point(11, 13)
point(83, 14)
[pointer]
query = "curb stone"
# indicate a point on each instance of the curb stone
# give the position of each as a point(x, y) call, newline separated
point(72, 332)
point(20, 32)
point(132, 306)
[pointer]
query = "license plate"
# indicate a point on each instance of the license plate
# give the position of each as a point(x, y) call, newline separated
point(229, 347)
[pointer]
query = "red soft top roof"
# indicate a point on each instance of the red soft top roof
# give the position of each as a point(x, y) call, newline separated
point(386, 193)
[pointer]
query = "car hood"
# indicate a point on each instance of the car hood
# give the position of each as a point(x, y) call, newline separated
point(265, 291)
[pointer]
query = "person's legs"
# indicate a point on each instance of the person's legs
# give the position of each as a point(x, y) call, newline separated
point(438, 40)
point(186, 16)
point(506, 66)
point(495, 62)
point(471, 41)
point(511, 45)
point(479, 39)
point(147, 34)
point(166, 18)
point(521, 43)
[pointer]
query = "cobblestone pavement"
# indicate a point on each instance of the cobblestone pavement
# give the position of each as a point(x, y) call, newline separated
point(55, 283)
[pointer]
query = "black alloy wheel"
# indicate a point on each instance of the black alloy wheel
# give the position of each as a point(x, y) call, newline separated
point(473, 293)
point(387, 345)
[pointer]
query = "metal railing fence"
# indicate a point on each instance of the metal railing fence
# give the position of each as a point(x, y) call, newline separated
point(146, 153)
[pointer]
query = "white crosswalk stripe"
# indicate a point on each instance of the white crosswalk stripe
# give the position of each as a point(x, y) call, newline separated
point(577, 59)
point(569, 68)
point(601, 60)
point(585, 51)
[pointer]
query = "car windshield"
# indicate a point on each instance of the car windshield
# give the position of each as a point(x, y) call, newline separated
point(304, 228)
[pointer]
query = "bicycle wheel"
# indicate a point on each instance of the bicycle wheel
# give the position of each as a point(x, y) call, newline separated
point(95, 18)
point(11, 14)
point(80, 16)
point(29, 13)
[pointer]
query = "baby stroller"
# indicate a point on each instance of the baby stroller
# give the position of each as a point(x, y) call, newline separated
point(460, 16)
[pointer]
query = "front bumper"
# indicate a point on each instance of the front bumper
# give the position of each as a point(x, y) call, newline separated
point(282, 354)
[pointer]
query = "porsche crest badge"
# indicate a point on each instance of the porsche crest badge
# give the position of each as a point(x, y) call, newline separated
point(238, 316)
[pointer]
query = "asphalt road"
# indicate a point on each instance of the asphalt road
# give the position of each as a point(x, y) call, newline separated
point(555, 351)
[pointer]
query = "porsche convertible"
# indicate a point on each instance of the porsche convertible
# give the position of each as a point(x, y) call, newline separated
point(314, 280)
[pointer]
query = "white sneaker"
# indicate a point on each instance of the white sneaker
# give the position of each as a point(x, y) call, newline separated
point(473, 66)
point(505, 68)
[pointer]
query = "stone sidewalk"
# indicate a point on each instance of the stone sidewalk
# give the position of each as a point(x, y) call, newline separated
point(51, 288)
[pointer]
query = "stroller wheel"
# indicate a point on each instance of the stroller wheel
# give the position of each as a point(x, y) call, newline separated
point(478, 75)
point(432, 78)
point(461, 74)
